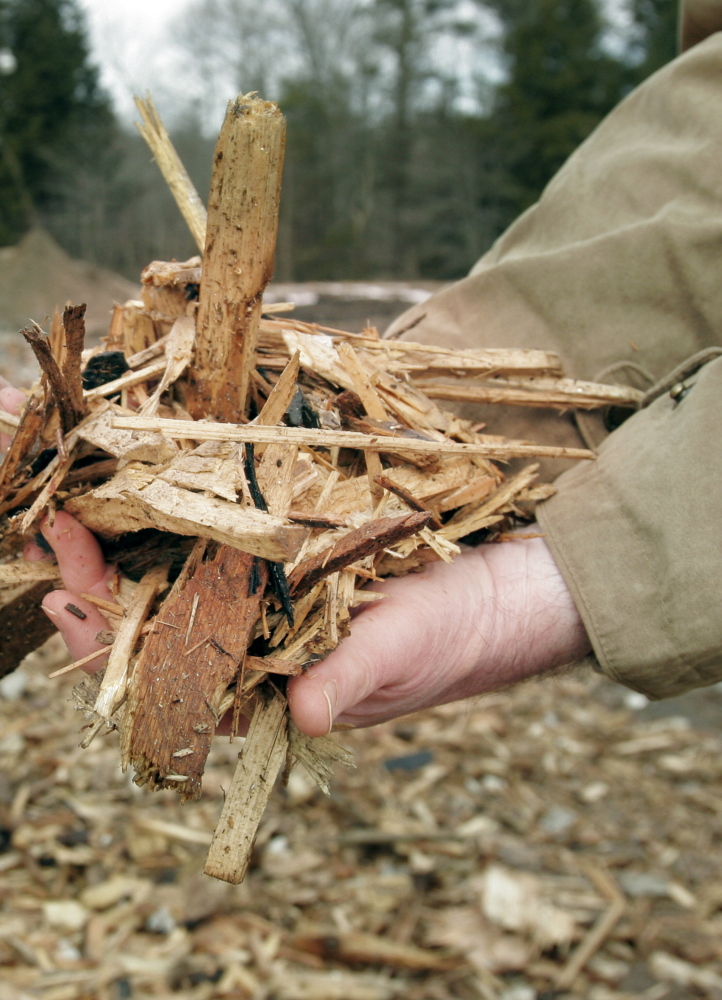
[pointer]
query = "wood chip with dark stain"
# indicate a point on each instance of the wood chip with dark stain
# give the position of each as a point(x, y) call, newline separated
point(364, 541)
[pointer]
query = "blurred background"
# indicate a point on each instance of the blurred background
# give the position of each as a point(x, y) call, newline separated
point(417, 129)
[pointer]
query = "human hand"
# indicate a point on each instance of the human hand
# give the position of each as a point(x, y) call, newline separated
point(495, 616)
point(84, 571)
point(11, 400)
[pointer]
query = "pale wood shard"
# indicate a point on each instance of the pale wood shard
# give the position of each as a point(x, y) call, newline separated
point(213, 466)
point(281, 395)
point(497, 449)
point(476, 516)
point(178, 351)
point(9, 423)
point(113, 686)
point(99, 430)
point(258, 767)
point(239, 255)
point(349, 496)
point(20, 573)
point(127, 381)
point(562, 394)
point(355, 946)
point(136, 499)
point(374, 408)
point(372, 537)
point(61, 467)
point(182, 673)
point(187, 198)
point(471, 492)
point(597, 934)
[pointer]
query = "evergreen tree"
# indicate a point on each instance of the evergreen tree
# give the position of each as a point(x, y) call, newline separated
point(655, 43)
point(53, 115)
point(560, 84)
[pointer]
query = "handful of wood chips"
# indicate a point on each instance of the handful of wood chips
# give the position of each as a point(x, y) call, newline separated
point(250, 473)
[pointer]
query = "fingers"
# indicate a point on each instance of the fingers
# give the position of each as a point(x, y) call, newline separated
point(80, 558)
point(84, 571)
point(11, 400)
point(403, 653)
point(79, 633)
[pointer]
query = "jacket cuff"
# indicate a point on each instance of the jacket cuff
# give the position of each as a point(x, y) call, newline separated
point(636, 535)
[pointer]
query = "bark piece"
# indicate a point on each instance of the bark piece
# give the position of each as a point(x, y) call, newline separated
point(24, 626)
point(74, 327)
point(68, 409)
point(239, 255)
point(258, 767)
point(24, 440)
point(357, 544)
point(408, 498)
point(182, 673)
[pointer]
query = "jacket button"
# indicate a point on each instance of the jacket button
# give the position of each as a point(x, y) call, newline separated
point(679, 391)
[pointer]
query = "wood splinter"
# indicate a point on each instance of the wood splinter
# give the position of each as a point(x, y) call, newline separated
point(259, 764)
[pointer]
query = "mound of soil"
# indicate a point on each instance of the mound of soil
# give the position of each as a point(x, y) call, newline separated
point(36, 276)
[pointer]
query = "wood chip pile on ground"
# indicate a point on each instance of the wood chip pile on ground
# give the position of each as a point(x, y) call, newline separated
point(546, 842)
point(250, 474)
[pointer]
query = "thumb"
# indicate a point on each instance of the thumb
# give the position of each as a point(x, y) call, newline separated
point(383, 668)
point(345, 678)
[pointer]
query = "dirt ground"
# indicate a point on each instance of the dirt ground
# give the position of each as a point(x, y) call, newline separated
point(560, 840)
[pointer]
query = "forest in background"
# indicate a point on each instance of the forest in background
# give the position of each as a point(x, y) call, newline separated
point(403, 160)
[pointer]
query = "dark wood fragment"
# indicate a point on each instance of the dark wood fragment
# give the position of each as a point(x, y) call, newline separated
point(74, 326)
point(32, 420)
point(24, 626)
point(364, 541)
point(59, 387)
point(408, 498)
point(75, 610)
point(185, 667)
point(311, 520)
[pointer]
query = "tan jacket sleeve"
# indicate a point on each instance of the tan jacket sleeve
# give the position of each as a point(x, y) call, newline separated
point(637, 535)
point(620, 262)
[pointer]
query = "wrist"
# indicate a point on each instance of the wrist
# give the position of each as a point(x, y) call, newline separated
point(532, 620)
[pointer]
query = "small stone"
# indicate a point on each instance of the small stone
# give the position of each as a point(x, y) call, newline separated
point(161, 921)
point(13, 686)
point(644, 884)
point(557, 819)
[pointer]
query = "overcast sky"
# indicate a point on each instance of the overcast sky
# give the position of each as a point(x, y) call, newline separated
point(133, 45)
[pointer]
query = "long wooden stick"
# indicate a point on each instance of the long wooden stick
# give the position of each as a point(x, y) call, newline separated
point(112, 689)
point(185, 194)
point(197, 431)
point(263, 756)
point(239, 255)
point(562, 394)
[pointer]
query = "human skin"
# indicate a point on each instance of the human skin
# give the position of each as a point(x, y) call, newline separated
point(497, 615)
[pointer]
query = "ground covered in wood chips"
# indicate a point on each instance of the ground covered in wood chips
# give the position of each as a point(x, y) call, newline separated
point(472, 852)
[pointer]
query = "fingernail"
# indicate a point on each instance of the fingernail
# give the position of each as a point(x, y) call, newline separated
point(50, 613)
point(330, 693)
